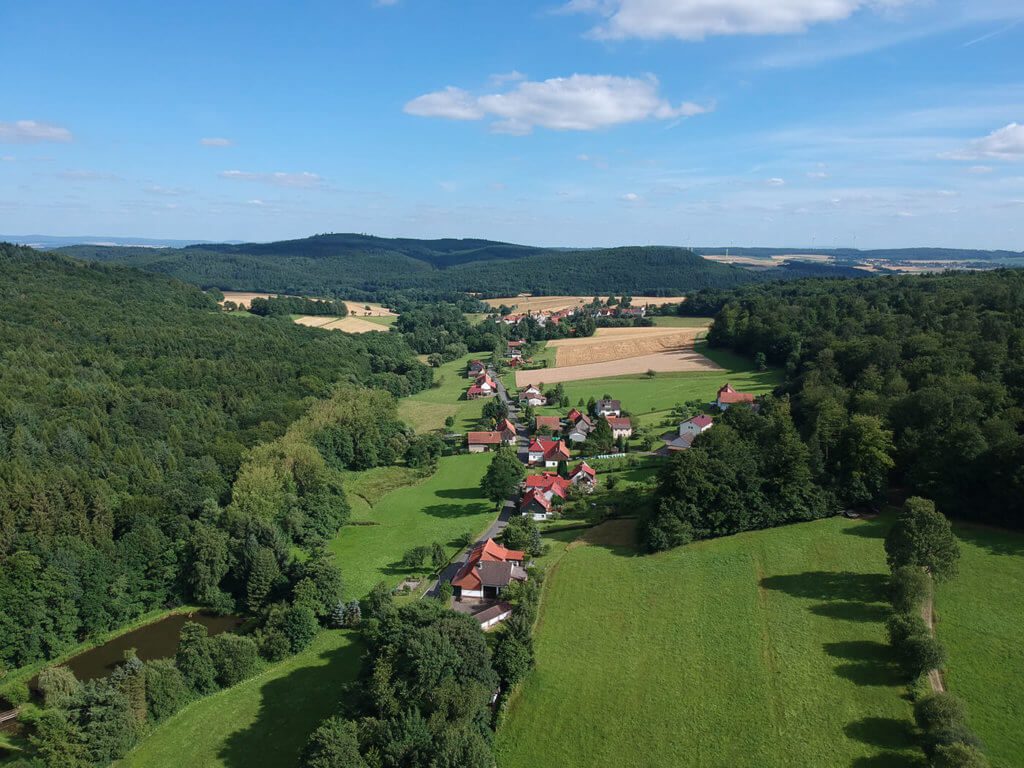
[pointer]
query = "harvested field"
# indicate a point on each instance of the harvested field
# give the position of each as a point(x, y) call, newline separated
point(244, 298)
point(673, 360)
point(554, 303)
point(347, 324)
point(619, 343)
point(355, 309)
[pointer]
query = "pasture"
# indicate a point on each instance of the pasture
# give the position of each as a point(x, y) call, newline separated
point(980, 618)
point(763, 649)
point(428, 409)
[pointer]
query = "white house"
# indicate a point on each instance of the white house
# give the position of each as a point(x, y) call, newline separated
point(698, 425)
point(532, 396)
point(621, 427)
point(608, 408)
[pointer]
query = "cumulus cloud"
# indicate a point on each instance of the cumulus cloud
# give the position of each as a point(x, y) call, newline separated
point(1007, 143)
point(631, 197)
point(216, 141)
point(33, 132)
point(303, 180)
point(697, 19)
point(575, 103)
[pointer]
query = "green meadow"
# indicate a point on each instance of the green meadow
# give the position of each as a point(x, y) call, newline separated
point(980, 618)
point(763, 649)
point(427, 410)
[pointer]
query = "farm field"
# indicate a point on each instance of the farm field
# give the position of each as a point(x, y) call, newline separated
point(355, 309)
point(523, 304)
point(980, 618)
point(439, 508)
point(266, 720)
point(763, 649)
point(428, 409)
point(618, 343)
point(348, 324)
point(677, 321)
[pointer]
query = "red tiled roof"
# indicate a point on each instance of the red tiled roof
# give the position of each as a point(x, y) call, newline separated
point(483, 438)
point(701, 420)
point(574, 416)
point(551, 422)
point(489, 552)
point(534, 495)
point(547, 481)
point(583, 468)
point(616, 422)
point(552, 449)
point(729, 395)
point(507, 426)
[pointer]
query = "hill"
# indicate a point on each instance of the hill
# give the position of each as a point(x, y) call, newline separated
point(364, 267)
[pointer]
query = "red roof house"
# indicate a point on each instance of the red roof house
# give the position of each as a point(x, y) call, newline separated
point(546, 451)
point(488, 569)
point(583, 475)
point(479, 442)
point(551, 423)
point(621, 426)
point(728, 396)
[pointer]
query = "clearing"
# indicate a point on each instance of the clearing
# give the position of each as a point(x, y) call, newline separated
point(762, 649)
point(428, 409)
point(355, 308)
point(980, 619)
point(348, 324)
point(619, 343)
point(266, 720)
point(523, 304)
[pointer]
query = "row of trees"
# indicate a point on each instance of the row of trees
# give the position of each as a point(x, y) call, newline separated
point(282, 306)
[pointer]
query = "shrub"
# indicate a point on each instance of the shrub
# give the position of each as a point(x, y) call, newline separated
point(273, 643)
point(379, 603)
point(958, 756)
point(415, 557)
point(15, 693)
point(300, 626)
point(901, 626)
point(58, 685)
point(235, 658)
point(512, 659)
point(195, 658)
point(939, 709)
point(333, 744)
point(908, 588)
point(166, 691)
point(921, 654)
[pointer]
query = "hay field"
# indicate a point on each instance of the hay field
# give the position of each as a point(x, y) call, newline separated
point(244, 298)
point(524, 304)
point(348, 324)
point(355, 308)
point(683, 360)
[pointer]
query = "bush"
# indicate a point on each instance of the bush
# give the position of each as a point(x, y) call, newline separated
point(300, 626)
point(921, 654)
point(379, 603)
point(937, 710)
point(333, 745)
point(15, 693)
point(958, 756)
point(58, 685)
point(512, 659)
point(235, 657)
point(901, 626)
point(908, 588)
point(166, 691)
point(195, 658)
point(416, 557)
point(273, 643)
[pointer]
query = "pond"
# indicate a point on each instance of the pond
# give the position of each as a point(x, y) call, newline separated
point(158, 640)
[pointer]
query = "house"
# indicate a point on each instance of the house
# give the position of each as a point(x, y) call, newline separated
point(509, 435)
point(680, 443)
point(728, 396)
point(621, 427)
point(492, 615)
point(541, 490)
point(479, 442)
point(488, 570)
point(580, 429)
point(546, 451)
point(583, 477)
point(550, 424)
point(515, 350)
point(573, 416)
point(698, 425)
point(532, 396)
point(484, 386)
point(535, 504)
point(475, 368)
point(608, 408)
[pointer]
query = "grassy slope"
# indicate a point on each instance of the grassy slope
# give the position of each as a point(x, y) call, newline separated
point(264, 721)
point(763, 649)
point(427, 410)
point(437, 509)
point(675, 321)
point(981, 620)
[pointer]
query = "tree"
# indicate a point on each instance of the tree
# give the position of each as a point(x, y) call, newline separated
point(958, 755)
point(334, 744)
point(909, 586)
point(503, 476)
point(58, 686)
point(449, 423)
point(438, 556)
point(601, 439)
point(523, 534)
point(263, 575)
point(923, 537)
point(865, 460)
point(512, 660)
point(306, 595)
point(235, 657)
point(195, 659)
point(379, 602)
point(166, 690)
point(424, 451)
point(416, 557)
point(300, 626)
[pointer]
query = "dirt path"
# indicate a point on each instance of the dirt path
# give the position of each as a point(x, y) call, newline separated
point(928, 614)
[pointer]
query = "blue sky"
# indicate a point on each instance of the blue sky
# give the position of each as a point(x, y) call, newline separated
point(866, 123)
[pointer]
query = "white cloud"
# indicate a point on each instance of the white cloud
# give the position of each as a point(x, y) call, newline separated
point(303, 180)
point(503, 78)
point(776, 182)
point(980, 169)
point(697, 19)
point(1007, 143)
point(216, 141)
point(32, 132)
point(631, 197)
point(575, 103)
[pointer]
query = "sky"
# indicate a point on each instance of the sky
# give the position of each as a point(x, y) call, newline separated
point(813, 123)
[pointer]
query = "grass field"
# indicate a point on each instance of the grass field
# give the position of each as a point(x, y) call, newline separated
point(980, 618)
point(266, 720)
point(764, 649)
point(437, 509)
point(428, 409)
point(674, 321)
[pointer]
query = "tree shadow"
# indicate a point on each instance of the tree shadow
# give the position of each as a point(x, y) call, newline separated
point(868, 663)
point(852, 611)
point(830, 585)
point(870, 529)
point(993, 540)
point(458, 493)
point(449, 511)
point(885, 732)
point(292, 706)
point(889, 760)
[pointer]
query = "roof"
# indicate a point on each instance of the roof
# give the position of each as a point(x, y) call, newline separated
point(584, 469)
point(483, 438)
point(493, 612)
point(488, 552)
point(680, 443)
point(729, 395)
point(619, 422)
point(484, 378)
point(701, 420)
point(551, 422)
point(475, 364)
point(532, 496)
point(574, 415)
point(552, 449)
point(547, 481)
point(610, 405)
point(529, 389)
point(516, 343)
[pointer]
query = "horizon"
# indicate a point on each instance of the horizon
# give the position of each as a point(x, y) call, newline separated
point(852, 124)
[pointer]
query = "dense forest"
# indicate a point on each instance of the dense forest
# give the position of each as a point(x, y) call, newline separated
point(128, 404)
point(361, 267)
point(915, 383)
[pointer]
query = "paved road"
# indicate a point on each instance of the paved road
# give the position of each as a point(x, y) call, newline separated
point(510, 506)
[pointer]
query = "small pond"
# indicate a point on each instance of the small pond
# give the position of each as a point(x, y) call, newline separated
point(158, 640)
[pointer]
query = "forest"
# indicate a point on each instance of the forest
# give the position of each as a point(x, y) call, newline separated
point(914, 384)
point(128, 405)
point(360, 267)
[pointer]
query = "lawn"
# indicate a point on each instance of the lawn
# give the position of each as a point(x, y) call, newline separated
point(262, 721)
point(439, 508)
point(428, 409)
point(763, 649)
point(674, 321)
point(266, 720)
point(980, 618)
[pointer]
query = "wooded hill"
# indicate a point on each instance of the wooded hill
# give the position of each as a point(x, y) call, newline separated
point(364, 267)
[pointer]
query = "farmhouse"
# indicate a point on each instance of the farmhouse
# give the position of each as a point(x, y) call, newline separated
point(728, 396)
point(540, 492)
point(488, 570)
point(608, 408)
point(621, 427)
point(479, 442)
point(583, 477)
point(532, 396)
point(546, 451)
point(698, 425)
point(549, 424)
point(579, 430)
point(515, 350)
point(484, 386)
point(475, 369)
point(509, 436)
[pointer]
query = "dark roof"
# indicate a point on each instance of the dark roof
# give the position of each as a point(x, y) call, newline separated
point(495, 574)
point(493, 612)
point(614, 405)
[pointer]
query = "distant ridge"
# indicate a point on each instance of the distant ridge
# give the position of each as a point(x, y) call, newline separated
point(45, 242)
